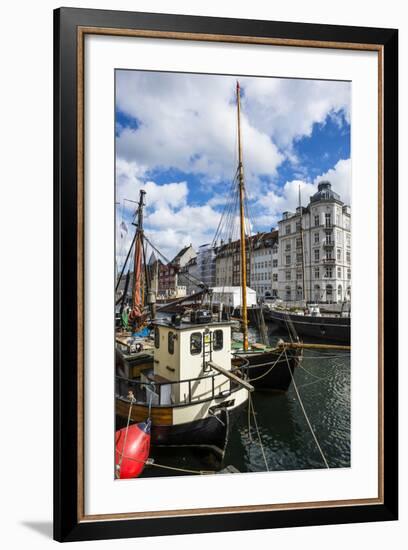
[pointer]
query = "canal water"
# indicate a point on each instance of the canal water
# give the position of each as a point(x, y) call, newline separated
point(323, 382)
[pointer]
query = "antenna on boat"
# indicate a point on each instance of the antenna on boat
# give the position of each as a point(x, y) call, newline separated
point(242, 226)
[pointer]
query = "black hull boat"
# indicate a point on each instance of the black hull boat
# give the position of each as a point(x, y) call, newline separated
point(271, 370)
point(320, 327)
point(211, 432)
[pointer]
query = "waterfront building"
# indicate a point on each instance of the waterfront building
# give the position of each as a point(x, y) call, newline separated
point(314, 259)
point(264, 264)
point(206, 268)
point(169, 285)
point(228, 264)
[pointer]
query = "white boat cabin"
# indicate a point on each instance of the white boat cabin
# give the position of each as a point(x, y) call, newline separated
point(182, 353)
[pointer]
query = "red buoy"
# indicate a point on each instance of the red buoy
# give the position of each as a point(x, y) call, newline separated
point(132, 449)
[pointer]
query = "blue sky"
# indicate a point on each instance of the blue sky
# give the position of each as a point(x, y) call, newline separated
point(176, 137)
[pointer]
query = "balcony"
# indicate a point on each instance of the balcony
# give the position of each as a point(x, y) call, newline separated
point(328, 244)
point(329, 261)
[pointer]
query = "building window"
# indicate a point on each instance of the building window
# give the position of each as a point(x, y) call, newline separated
point(196, 343)
point(316, 238)
point(288, 293)
point(349, 274)
point(317, 273)
point(339, 293)
point(338, 254)
point(316, 221)
point(287, 275)
point(299, 293)
point(348, 240)
point(275, 250)
point(298, 226)
point(317, 255)
point(275, 263)
point(317, 293)
point(156, 337)
point(275, 277)
point(170, 342)
point(288, 229)
point(299, 258)
point(298, 275)
point(348, 256)
point(298, 242)
point(329, 273)
point(288, 260)
point(329, 293)
point(339, 272)
point(218, 336)
point(327, 218)
point(288, 247)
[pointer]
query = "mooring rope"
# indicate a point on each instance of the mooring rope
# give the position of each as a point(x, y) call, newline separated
point(268, 371)
point(305, 414)
point(251, 405)
point(183, 470)
point(126, 434)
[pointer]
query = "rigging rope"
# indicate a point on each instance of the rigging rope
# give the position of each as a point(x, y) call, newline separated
point(305, 414)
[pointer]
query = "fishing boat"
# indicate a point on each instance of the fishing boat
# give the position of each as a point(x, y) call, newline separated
point(193, 390)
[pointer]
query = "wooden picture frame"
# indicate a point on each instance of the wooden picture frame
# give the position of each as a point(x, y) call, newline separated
point(70, 28)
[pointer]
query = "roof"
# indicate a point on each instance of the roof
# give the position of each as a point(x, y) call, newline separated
point(181, 253)
point(325, 193)
point(263, 238)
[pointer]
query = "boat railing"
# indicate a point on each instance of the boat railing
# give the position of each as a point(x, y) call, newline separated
point(142, 389)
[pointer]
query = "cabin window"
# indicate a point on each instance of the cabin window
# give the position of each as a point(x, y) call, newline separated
point(156, 337)
point(170, 343)
point(218, 336)
point(196, 343)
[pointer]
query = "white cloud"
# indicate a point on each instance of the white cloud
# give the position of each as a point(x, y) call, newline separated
point(340, 178)
point(189, 122)
point(268, 209)
point(286, 109)
point(169, 220)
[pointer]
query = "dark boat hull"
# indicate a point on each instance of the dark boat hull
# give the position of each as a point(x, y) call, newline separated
point(328, 329)
point(270, 370)
point(211, 432)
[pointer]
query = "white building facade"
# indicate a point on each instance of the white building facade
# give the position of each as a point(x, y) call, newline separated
point(264, 264)
point(314, 259)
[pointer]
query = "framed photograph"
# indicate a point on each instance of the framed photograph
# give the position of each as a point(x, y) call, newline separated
point(225, 274)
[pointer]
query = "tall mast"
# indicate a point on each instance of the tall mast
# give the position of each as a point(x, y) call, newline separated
point(137, 305)
point(242, 226)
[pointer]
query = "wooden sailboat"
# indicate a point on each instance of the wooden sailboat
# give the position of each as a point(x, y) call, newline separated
point(134, 349)
point(267, 368)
